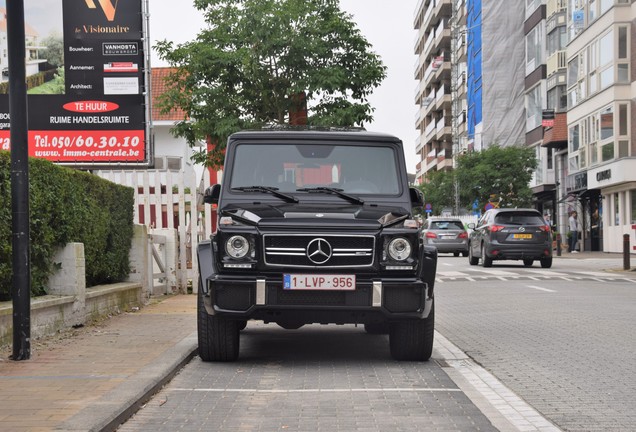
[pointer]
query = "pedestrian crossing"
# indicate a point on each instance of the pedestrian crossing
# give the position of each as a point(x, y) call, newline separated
point(475, 274)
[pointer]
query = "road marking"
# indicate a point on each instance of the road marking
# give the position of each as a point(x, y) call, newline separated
point(506, 410)
point(316, 390)
point(540, 288)
point(451, 273)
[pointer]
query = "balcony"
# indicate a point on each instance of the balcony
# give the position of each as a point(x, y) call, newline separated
point(555, 6)
point(557, 61)
point(428, 132)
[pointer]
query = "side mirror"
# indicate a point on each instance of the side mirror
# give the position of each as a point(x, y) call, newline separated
point(211, 195)
point(417, 198)
point(471, 226)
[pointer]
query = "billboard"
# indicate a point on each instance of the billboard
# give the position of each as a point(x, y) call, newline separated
point(86, 80)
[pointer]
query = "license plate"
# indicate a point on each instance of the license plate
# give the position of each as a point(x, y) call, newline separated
point(522, 236)
point(319, 282)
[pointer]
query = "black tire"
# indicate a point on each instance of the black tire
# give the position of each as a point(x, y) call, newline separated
point(455, 254)
point(412, 340)
point(218, 338)
point(546, 262)
point(242, 325)
point(377, 328)
point(528, 262)
point(465, 253)
point(485, 261)
point(471, 259)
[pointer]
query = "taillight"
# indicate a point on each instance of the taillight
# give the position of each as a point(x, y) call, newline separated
point(495, 228)
point(431, 235)
point(545, 228)
point(463, 235)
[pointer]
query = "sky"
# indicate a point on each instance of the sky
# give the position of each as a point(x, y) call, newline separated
point(386, 24)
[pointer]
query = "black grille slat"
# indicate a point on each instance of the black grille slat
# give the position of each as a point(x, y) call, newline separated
point(290, 250)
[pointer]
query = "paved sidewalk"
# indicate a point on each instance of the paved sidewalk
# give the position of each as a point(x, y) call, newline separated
point(91, 378)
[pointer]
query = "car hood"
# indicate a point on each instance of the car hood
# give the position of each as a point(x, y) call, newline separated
point(353, 217)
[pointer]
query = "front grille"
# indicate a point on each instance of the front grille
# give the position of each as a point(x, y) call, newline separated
point(358, 297)
point(319, 250)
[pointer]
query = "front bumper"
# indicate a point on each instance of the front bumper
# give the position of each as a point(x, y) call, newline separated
point(263, 298)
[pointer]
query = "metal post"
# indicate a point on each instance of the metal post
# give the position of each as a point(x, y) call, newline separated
point(21, 283)
point(626, 264)
point(558, 240)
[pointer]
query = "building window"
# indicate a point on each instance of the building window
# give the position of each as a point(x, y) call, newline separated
point(617, 214)
point(607, 122)
point(606, 45)
point(533, 108)
point(622, 120)
point(632, 194)
point(607, 152)
point(606, 5)
point(557, 98)
point(557, 40)
point(573, 137)
point(534, 48)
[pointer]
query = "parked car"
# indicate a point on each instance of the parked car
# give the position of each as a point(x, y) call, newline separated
point(316, 227)
point(447, 235)
point(510, 234)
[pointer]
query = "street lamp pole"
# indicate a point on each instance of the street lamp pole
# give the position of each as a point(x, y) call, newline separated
point(21, 284)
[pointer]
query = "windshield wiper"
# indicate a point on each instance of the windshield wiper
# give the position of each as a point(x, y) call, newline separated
point(267, 189)
point(338, 192)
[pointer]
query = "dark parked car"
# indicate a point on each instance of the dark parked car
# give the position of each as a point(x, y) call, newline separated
point(510, 234)
point(316, 227)
point(447, 235)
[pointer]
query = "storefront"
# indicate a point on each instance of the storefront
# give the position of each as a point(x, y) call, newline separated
point(585, 199)
point(617, 206)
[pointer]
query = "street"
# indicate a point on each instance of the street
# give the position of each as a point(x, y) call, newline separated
point(550, 349)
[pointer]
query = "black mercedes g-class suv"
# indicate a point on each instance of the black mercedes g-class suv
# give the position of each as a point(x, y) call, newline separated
point(315, 227)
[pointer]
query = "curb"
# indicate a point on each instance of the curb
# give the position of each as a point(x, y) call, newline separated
point(118, 405)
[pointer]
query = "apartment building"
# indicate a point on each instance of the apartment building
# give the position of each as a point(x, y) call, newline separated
point(601, 166)
point(433, 92)
point(545, 41)
point(470, 73)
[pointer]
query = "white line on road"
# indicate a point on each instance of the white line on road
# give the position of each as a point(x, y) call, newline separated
point(540, 288)
point(315, 390)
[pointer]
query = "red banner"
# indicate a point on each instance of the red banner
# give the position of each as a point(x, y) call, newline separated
point(83, 145)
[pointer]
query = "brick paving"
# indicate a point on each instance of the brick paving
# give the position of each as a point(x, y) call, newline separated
point(75, 371)
point(567, 351)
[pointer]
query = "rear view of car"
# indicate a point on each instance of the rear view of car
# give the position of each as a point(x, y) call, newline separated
point(447, 235)
point(511, 234)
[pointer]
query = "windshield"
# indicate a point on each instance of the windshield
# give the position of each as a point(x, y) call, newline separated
point(288, 167)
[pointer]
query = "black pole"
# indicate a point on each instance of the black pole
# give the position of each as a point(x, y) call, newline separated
point(626, 264)
point(21, 286)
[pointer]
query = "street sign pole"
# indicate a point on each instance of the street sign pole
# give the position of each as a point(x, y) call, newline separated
point(21, 284)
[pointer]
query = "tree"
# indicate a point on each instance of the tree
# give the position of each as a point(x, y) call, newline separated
point(259, 60)
point(439, 191)
point(502, 174)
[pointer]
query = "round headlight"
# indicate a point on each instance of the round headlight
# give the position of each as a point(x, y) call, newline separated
point(237, 246)
point(399, 249)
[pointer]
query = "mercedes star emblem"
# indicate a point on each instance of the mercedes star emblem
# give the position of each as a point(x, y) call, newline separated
point(319, 251)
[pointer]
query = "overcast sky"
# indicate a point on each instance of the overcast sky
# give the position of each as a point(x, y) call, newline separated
point(387, 25)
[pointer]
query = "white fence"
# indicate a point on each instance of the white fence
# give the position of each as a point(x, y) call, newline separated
point(162, 202)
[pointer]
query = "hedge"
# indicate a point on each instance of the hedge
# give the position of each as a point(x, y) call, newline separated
point(68, 205)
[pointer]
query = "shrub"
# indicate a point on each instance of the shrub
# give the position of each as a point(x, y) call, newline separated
point(65, 206)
